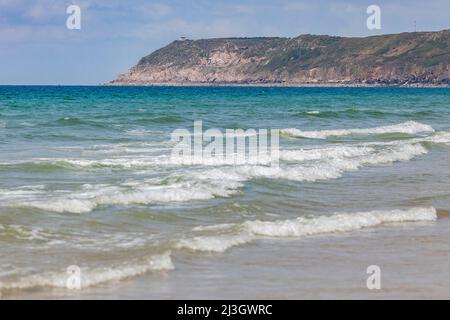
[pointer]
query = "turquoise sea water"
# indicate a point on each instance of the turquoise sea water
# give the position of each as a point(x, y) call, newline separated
point(86, 177)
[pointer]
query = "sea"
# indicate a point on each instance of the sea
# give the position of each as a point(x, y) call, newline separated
point(92, 204)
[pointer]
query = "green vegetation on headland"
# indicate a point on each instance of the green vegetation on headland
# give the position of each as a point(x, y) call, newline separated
point(407, 59)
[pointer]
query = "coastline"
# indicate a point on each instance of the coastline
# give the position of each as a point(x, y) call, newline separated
point(276, 84)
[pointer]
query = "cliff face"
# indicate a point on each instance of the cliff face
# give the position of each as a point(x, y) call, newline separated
point(421, 57)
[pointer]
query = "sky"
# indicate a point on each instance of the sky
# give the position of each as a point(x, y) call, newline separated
point(36, 47)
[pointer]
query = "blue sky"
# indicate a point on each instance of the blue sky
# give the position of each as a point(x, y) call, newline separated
point(37, 48)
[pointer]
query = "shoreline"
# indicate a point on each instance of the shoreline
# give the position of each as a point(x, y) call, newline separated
point(304, 277)
point(275, 85)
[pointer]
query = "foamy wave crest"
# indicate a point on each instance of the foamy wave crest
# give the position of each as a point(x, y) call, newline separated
point(163, 160)
point(325, 153)
point(442, 137)
point(409, 127)
point(215, 243)
point(205, 184)
point(339, 222)
point(182, 192)
point(237, 234)
point(333, 167)
point(76, 164)
point(92, 277)
point(177, 188)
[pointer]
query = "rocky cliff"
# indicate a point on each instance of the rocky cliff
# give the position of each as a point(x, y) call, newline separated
point(406, 58)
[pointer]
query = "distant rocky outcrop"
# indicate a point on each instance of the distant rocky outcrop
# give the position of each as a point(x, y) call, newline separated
point(398, 59)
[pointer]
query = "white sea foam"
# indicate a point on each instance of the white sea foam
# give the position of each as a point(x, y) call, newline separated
point(218, 243)
point(122, 162)
point(133, 147)
point(142, 132)
point(62, 205)
point(409, 127)
point(334, 167)
point(339, 222)
point(142, 193)
point(441, 137)
point(297, 155)
point(236, 234)
point(324, 153)
point(201, 183)
point(92, 277)
point(205, 184)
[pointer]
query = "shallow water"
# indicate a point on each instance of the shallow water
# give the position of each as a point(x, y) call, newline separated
point(86, 179)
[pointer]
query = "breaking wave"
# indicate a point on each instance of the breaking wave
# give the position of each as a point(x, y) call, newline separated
point(354, 113)
point(148, 161)
point(409, 127)
point(92, 277)
point(87, 201)
point(236, 234)
point(205, 183)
